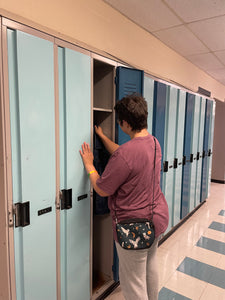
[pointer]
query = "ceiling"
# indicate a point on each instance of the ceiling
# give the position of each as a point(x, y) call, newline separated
point(193, 28)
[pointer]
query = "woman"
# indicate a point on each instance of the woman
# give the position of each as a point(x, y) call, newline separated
point(130, 180)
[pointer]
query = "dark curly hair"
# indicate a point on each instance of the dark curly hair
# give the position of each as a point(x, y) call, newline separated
point(134, 110)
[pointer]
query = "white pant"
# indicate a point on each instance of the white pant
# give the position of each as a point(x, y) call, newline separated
point(138, 272)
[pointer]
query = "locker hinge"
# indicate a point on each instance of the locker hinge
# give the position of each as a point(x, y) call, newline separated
point(11, 216)
point(66, 199)
point(22, 214)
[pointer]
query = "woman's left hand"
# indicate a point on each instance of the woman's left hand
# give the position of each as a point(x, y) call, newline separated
point(87, 155)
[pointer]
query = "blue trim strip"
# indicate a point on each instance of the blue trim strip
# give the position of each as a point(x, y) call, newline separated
point(166, 294)
point(203, 272)
point(217, 226)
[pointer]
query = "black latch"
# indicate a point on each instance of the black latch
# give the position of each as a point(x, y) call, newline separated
point(165, 166)
point(203, 154)
point(209, 152)
point(175, 163)
point(66, 199)
point(198, 155)
point(184, 160)
point(191, 158)
point(22, 214)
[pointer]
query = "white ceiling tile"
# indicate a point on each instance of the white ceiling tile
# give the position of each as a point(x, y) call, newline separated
point(218, 74)
point(193, 10)
point(152, 15)
point(220, 55)
point(211, 32)
point(206, 61)
point(181, 40)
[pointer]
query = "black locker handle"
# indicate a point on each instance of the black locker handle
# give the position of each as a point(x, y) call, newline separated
point(191, 158)
point(165, 166)
point(66, 199)
point(22, 214)
point(184, 160)
point(198, 155)
point(175, 163)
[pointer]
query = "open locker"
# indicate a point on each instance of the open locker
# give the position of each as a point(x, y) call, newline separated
point(102, 237)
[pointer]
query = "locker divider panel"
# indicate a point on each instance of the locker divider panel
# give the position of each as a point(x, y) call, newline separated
point(32, 114)
point(75, 124)
point(180, 120)
point(185, 198)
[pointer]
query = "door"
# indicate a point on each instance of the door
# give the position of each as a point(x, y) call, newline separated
point(32, 123)
point(200, 150)
point(188, 135)
point(149, 96)
point(128, 81)
point(194, 150)
point(205, 151)
point(75, 122)
point(169, 150)
point(210, 146)
point(181, 104)
point(159, 119)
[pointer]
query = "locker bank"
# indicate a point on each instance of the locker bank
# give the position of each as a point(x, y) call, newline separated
point(59, 238)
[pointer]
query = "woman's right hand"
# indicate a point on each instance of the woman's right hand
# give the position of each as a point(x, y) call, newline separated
point(99, 131)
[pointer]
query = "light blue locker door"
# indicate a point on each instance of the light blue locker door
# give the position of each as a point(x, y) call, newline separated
point(210, 147)
point(169, 150)
point(32, 116)
point(149, 95)
point(75, 124)
point(188, 136)
point(199, 151)
point(205, 151)
point(180, 118)
point(194, 148)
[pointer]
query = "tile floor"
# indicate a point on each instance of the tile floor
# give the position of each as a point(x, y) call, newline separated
point(192, 260)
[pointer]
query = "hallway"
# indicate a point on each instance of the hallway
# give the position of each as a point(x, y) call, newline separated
point(192, 261)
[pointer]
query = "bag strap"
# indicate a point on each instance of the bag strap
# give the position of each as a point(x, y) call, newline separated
point(153, 181)
point(153, 187)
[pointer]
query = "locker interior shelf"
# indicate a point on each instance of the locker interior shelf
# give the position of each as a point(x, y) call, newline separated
point(102, 110)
